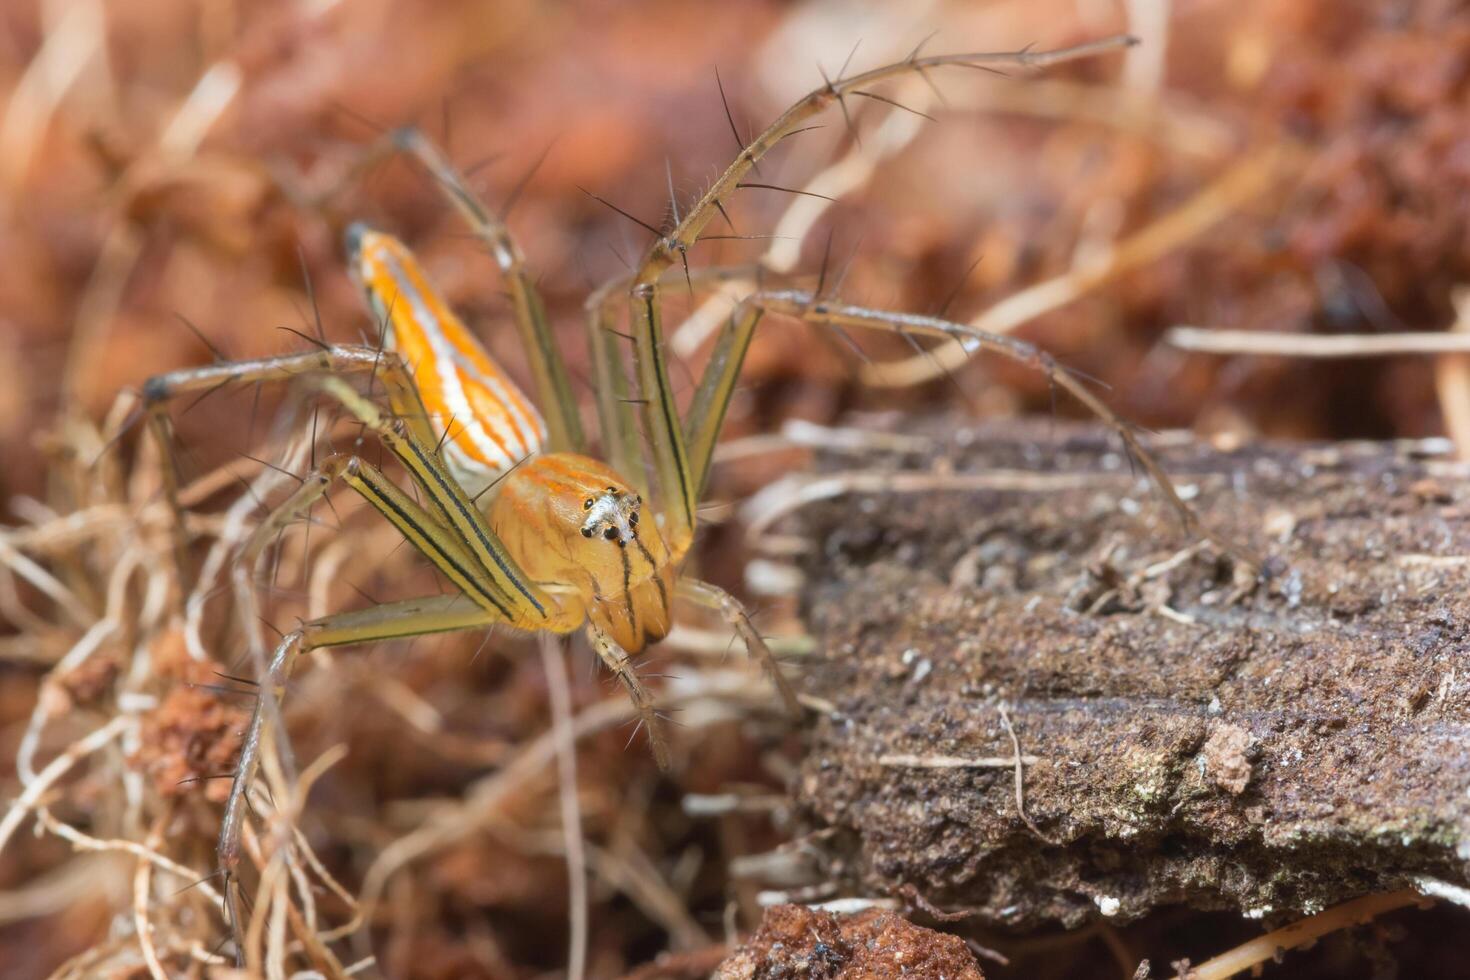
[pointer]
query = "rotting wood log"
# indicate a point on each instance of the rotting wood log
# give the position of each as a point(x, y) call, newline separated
point(1190, 735)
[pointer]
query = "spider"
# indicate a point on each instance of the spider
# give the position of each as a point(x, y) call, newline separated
point(534, 533)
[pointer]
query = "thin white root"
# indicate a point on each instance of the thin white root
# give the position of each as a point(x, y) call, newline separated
point(1018, 760)
point(483, 802)
point(955, 761)
point(791, 493)
point(59, 767)
point(85, 842)
point(142, 883)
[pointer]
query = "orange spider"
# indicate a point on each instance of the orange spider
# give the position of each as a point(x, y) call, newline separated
point(566, 541)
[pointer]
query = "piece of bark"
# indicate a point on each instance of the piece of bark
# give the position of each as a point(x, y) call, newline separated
point(1196, 740)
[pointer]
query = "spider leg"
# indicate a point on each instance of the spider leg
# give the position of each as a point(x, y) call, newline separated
point(805, 306)
point(483, 600)
point(716, 598)
point(617, 403)
point(161, 388)
point(423, 530)
point(394, 620)
point(670, 455)
point(671, 460)
point(621, 665)
point(706, 414)
point(536, 609)
point(553, 385)
point(617, 412)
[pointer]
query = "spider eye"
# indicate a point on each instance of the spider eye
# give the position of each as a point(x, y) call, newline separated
point(586, 532)
point(587, 504)
point(633, 518)
point(612, 489)
point(610, 533)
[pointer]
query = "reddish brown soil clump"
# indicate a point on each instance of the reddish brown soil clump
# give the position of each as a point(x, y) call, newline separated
point(800, 943)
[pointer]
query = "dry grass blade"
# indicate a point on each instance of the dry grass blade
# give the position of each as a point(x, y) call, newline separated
point(1251, 177)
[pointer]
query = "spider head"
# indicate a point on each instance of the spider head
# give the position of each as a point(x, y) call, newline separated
point(611, 514)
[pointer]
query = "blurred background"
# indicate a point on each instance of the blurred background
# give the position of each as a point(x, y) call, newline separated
point(1290, 166)
point(154, 158)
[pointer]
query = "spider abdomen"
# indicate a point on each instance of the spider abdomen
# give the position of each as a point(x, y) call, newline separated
point(483, 421)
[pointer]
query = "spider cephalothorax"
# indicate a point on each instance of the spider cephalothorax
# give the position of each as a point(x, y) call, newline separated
point(570, 518)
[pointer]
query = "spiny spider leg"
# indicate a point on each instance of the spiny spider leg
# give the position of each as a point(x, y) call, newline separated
point(388, 621)
point(346, 360)
point(617, 405)
point(715, 598)
point(620, 664)
point(673, 466)
point(806, 306)
point(456, 539)
point(557, 400)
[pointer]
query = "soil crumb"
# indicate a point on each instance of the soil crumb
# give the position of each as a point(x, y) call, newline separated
point(798, 942)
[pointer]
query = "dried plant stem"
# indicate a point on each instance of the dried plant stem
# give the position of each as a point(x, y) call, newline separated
point(956, 761)
point(790, 494)
point(631, 871)
point(1020, 769)
point(1248, 179)
point(30, 742)
point(483, 802)
point(553, 662)
point(1434, 888)
point(309, 855)
point(72, 42)
point(142, 882)
point(1265, 948)
point(44, 582)
point(1316, 345)
point(52, 891)
point(1140, 114)
point(280, 907)
point(1452, 379)
point(85, 842)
